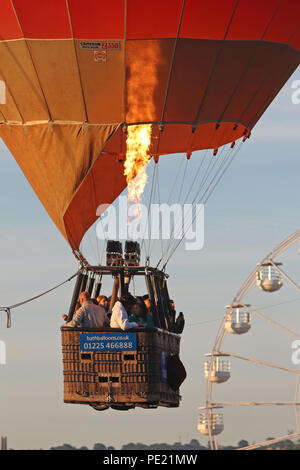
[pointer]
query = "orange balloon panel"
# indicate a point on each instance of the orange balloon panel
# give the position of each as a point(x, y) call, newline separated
point(76, 71)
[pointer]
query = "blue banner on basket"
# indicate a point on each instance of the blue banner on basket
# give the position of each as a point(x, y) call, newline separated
point(108, 342)
point(163, 367)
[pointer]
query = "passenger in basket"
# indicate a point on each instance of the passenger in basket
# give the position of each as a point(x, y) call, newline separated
point(179, 324)
point(103, 302)
point(119, 316)
point(77, 306)
point(147, 302)
point(88, 315)
point(139, 314)
point(172, 316)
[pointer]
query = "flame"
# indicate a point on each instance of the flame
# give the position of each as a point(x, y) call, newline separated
point(141, 86)
point(137, 156)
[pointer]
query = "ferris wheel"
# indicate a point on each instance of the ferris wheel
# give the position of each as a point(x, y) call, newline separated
point(241, 318)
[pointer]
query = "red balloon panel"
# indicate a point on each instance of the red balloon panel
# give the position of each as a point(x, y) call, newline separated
point(97, 19)
point(206, 19)
point(153, 19)
point(43, 19)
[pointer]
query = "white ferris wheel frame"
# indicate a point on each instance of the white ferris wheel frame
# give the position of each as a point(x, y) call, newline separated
point(217, 350)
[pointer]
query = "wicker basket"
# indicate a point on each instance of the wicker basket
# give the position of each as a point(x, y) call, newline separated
point(121, 379)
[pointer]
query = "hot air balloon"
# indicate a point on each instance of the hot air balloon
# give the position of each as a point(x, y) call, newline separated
point(84, 77)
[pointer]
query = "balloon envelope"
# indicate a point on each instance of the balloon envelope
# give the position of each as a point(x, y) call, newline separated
point(201, 72)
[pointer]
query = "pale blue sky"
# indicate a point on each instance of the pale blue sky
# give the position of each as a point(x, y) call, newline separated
point(255, 206)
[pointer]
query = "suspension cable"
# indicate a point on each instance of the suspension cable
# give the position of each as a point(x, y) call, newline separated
point(206, 199)
point(157, 191)
point(175, 180)
point(143, 244)
point(181, 229)
point(19, 304)
point(166, 250)
point(209, 169)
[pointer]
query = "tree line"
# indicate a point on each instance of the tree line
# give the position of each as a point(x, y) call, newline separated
point(194, 444)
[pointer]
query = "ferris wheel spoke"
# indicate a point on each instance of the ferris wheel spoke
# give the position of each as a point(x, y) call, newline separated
point(285, 275)
point(286, 243)
point(255, 403)
point(265, 317)
point(250, 281)
point(271, 441)
point(297, 397)
point(246, 286)
point(263, 363)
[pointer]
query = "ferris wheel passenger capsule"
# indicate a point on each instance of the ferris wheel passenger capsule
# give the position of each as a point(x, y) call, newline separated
point(237, 322)
point(214, 421)
point(268, 278)
point(217, 371)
